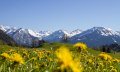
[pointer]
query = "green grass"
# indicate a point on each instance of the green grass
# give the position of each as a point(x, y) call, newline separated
point(46, 60)
point(56, 45)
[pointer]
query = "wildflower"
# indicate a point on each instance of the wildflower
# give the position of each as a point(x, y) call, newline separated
point(111, 67)
point(113, 70)
point(109, 61)
point(17, 58)
point(64, 55)
point(101, 64)
point(116, 60)
point(90, 60)
point(76, 66)
point(66, 58)
point(105, 56)
point(49, 59)
point(5, 55)
point(81, 46)
point(40, 54)
point(11, 50)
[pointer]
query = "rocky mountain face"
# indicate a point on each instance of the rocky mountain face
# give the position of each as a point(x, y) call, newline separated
point(5, 39)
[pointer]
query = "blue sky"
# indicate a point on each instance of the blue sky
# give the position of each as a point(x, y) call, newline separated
point(60, 14)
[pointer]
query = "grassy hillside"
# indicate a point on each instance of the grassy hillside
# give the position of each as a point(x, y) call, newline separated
point(57, 57)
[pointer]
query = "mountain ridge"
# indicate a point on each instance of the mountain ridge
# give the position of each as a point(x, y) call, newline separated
point(95, 36)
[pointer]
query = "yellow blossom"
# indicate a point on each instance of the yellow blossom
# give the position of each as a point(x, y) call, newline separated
point(111, 67)
point(81, 46)
point(17, 58)
point(66, 58)
point(90, 60)
point(113, 70)
point(116, 60)
point(105, 56)
point(40, 54)
point(5, 55)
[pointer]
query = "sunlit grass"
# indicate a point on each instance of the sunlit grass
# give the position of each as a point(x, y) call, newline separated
point(57, 57)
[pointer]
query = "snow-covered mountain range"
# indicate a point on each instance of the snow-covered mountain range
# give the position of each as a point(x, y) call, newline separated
point(22, 36)
point(95, 36)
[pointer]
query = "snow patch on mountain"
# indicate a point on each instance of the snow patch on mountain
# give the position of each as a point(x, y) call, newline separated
point(11, 30)
point(4, 28)
point(45, 33)
point(75, 32)
point(56, 36)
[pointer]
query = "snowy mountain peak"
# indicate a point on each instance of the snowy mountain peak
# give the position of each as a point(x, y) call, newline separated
point(32, 33)
point(100, 30)
point(4, 28)
point(10, 31)
point(27, 31)
point(45, 33)
point(61, 32)
point(75, 32)
point(56, 36)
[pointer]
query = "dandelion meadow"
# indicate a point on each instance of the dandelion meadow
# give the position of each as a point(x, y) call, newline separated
point(57, 58)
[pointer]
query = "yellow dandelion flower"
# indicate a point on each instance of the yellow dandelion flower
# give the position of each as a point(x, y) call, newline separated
point(5, 55)
point(80, 46)
point(65, 57)
point(12, 50)
point(105, 56)
point(49, 59)
point(111, 67)
point(17, 58)
point(116, 60)
point(90, 60)
point(40, 54)
point(113, 70)
point(76, 66)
